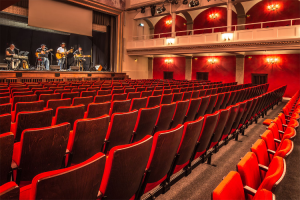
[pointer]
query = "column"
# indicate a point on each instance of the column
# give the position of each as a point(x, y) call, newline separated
point(150, 68)
point(151, 33)
point(173, 24)
point(239, 73)
point(241, 19)
point(229, 15)
point(188, 68)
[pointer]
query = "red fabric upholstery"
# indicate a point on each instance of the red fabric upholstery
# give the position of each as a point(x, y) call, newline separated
point(7, 186)
point(267, 122)
point(285, 148)
point(230, 188)
point(261, 152)
point(264, 195)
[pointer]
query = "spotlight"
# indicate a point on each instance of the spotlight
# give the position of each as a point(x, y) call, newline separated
point(197, 3)
point(161, 9)
point(153, 7)
point(185, 2)
point(143, 9)
point(192, 3)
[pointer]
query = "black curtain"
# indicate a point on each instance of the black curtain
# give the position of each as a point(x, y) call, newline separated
point(30, 40)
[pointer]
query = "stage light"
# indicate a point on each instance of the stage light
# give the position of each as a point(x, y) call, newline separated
point(153, 7)
point(192, 3)
point(143, 9)
point(161, 9)
point(185, 2)
point(273, 7)
point(212, 61)
point(197, 3)
point(272, 60)
point(169, 22)
point(213, 16)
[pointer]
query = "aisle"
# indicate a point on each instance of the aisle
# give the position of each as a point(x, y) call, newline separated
point(205, 178)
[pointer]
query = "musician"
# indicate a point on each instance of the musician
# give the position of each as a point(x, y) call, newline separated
point(62, 49)
point(79, 58)
point(44, 50)
point(10, 52)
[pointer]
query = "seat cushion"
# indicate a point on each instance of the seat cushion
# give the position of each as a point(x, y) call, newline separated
point(267, 122)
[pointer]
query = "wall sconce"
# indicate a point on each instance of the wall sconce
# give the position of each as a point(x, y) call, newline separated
point(170, 41)
point(169, 22)
point(213, 16)
point(168, 61)
point(272, 60)
point(227, 36)
point(141, 24)
point(273, 7)
point(135, 60)
point(212, 61)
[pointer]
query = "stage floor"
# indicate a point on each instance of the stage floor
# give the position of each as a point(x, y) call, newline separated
point(37, 76)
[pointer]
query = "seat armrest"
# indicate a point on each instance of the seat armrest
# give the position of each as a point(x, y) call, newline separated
point(263, 167)
point(276, 140)
point(14, 165)
point(271, 152)
point(281, 132)
point(249, 190)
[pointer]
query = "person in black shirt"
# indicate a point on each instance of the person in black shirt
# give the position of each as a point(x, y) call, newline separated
point(79, 58)
point(10, 52)
point(43, 50)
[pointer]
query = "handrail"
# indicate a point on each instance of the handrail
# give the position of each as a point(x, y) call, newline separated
point(158, 35)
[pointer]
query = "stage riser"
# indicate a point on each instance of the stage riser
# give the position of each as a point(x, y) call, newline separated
point(42, 76)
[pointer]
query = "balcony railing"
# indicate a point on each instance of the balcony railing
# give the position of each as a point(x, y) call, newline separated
point(258, 25)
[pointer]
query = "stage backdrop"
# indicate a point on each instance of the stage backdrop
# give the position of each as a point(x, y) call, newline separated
point(30, 40)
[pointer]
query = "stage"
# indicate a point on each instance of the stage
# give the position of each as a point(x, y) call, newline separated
point(9, 76)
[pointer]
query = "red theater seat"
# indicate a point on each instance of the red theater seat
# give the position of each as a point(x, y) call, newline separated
point(120, 106)
point(166, 98)
point(4, 100)
point(146, 93)
point(218, 102)
point(177, 96)
point(87, 138)
point(128, 174)
point(165, 117)
point(193, 109)
point(203, 107)
point(145, 123)
point(211, 104)
point(132, 95)
point(187, 95)
point(138, 103)
point(70, 95)
point(47, 97)
point(120, 129)
point(233, 110)
point(39, 150)
point(55, 103)
point(5, 121)
point(153, 101)
point(26, 106)
point(88, 94)
point(6, 152)
point(180, 113)
point(83, 100)
point(9, 191)
point(95, 110)
point(68, 183)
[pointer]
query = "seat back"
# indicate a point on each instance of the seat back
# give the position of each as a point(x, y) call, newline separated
point(251, 109)
point(231, 98)
point(120, 106)
point(225, 100)
point(138, 103)
point(175, 90)
point(5, 123)
point(249, 171)
point(164, 149)
point(166, 99)
point(261, 151)
point(47, 97)
point(209, 126)
point(95, 110)
point(5, 108)
point(120, 129)
point(202, 93)
point(246, 111)
point(145, 123)
point(4, 100)
point(69, 114)
point(102, 98)
point(26, 98)
point(68, 183)
point(89, 135)
point(117, 91)
point(146, 93)
point(43, 149)
point(285, 148)
point(153, 101)
point(9, 190)
point(129, 90)
point(28, 106)
point(5, 94)
point(211, 104)
point(180, 112)
point(228, 126)
point(55, 103)
point(203, 106)
point(119, 97)
point(208, 92)
point(132, 95)
point(35, 119)
point(103, 92)
point(83, 100)
point(88, 94)
point(193, 109)
point(167, 91)
point(6, 152)
point(239, 115)
point(70, 95)
point(157, 92)
point(22, 93)
point(223, 118)
point(177, 96)
point(218, 102)
point(195, 93)
point(268, 137)
point(165, 117)
point(187, 95)
point(188, 142)
point(230, 188)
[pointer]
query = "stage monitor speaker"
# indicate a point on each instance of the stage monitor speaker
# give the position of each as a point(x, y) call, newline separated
point(57, 74)
point(112, 75)
point(89, 75)
point(3, 66)
point(18, 74)
point(74, 68)
point(54, 67)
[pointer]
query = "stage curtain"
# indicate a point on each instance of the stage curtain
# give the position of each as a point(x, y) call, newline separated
point(101, 18)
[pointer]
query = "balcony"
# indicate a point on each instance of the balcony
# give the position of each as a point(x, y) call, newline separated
point(279, 35)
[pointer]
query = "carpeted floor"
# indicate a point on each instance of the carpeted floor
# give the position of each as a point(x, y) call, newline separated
point(205, 178)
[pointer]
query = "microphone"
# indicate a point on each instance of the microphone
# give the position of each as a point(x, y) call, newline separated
point(17, 49)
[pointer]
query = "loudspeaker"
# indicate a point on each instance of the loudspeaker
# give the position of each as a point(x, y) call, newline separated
point(18, 74)
point(74, 68)
point(57, 74)
point(89, 75)
point(112, 75)
point(54, 67)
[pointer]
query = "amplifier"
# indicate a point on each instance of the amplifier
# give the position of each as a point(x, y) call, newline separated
point(74, 68)
point(54, 67)
point(3, 65)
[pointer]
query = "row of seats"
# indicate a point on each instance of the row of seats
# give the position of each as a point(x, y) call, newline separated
point(260, 171)
point(164, 153)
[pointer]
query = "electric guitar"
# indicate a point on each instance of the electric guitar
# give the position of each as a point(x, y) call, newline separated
point(63, 55)
point(40, 54)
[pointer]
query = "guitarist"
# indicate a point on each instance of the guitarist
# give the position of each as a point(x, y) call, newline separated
point(62, 49)
point(44, 50)
point(79, 58)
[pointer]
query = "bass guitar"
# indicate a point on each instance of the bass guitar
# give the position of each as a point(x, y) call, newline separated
point(63, 55)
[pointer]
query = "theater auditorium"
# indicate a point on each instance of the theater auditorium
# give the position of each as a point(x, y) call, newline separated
point(150, 99)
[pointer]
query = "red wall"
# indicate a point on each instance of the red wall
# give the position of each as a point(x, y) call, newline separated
point(223, 70)
point(162, 27)
point(204, 21)
point(286, 72)
point(288, 9)
point(177, 66)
